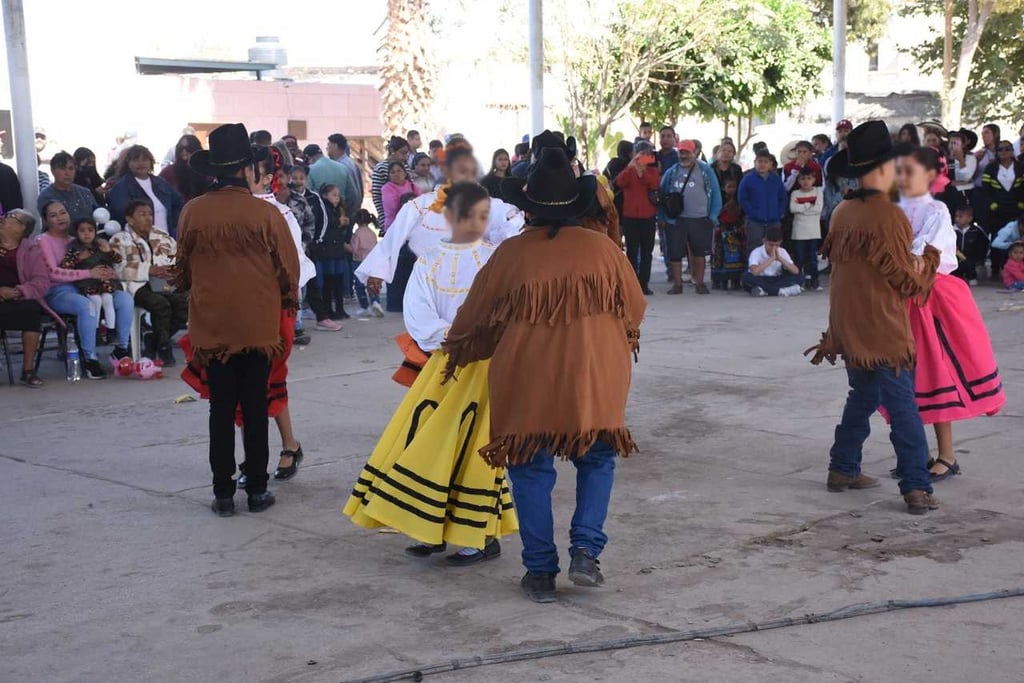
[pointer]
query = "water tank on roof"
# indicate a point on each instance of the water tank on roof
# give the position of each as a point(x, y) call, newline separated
point(268, 50)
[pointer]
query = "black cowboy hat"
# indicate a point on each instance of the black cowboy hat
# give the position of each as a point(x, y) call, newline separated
point(229, 151)
point(969, 136)
point(556, 139)
point(868, 146)
point(551, 191)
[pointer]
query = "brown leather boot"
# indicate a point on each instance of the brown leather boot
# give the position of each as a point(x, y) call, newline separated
point(840, 482)
point(920, 502)
point(677, 278)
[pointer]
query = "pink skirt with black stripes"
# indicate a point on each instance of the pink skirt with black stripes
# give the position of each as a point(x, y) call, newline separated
point(956, 376)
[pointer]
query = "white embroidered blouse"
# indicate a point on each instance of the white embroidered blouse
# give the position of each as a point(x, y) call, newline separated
point(931, 223)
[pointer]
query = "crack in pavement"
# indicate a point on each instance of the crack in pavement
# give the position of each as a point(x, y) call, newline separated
point(762, 658)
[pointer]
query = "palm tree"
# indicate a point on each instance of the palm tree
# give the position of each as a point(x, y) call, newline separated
point(407, 72)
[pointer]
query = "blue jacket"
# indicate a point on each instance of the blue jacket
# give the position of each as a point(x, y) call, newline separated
point(1007, 235)
point(127, 189)
point(710, 186)
point(763, 200)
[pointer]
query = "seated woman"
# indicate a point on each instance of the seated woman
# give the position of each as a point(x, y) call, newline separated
point(147, 256)
point(65, 299)
point(136, 181)
point(23, 284)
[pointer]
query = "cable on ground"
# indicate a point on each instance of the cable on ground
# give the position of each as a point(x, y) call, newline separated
point(848, 612)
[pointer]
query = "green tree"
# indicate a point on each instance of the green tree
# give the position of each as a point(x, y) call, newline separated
point(980, 51)
point(612, 52)
point(769, 57)
point(866, 20)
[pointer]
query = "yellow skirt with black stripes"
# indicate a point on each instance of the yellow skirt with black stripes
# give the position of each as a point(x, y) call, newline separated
point(425, 477)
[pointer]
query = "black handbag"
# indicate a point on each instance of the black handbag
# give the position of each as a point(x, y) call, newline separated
point(672, 201)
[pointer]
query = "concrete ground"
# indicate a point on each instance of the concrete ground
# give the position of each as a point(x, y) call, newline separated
point(115, 569)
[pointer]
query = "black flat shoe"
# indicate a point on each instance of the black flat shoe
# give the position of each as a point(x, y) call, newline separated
point(261, 501)
point(223, 507)
point(585, 569)
point(462, 559)
point(286, 473)
point(422, 550)
point(952, 470)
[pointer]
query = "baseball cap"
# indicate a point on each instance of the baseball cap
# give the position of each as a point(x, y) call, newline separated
point(687, 146)
point(844, 125)
point(310, 150)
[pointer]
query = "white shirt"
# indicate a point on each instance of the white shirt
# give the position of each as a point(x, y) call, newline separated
point(806, 214)
point(965, 172)
point(307, 269)
point(931, 224)
point(424, 229)
point(1006, 176)
point(438, 286)
point(159, 210)
point(760, 255)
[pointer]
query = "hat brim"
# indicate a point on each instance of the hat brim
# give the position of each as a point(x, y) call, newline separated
point(970, 139)
point(514, 192)
point(200, 163)
point(839, 164)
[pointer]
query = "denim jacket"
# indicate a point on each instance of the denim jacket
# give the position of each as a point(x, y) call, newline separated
point(714, 192)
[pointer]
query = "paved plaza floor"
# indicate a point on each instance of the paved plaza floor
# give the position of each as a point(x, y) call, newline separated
point(114, 568)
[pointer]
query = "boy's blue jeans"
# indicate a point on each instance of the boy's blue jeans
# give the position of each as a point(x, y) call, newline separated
point(870, 389)
point(807, 257)
point(532, 483)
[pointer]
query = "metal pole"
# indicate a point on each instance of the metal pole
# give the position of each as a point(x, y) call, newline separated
point(536, 66)
point(838, 60)
point(21, 102)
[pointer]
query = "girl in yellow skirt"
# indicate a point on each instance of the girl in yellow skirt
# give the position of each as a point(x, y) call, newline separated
point(425, 477)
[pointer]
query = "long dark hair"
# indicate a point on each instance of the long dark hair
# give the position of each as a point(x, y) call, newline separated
point(494, 161)
point(188, 183)
point(915, 139)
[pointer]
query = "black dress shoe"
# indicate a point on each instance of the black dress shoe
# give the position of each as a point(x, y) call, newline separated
point(285, 473)
point(422, 550)
point(584, 570)
point(463, 559)
point(261, 501)
point(539, 587)
point(224, 507)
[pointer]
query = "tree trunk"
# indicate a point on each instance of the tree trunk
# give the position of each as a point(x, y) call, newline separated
point(407, 73)
point(947, 59)
point(977, 18)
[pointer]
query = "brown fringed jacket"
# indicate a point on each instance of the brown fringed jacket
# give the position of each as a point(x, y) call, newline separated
point(238, 262)
point(559, 319)
point(873, 274)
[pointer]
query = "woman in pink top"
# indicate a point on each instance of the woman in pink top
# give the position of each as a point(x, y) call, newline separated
point(65, 299)
point(398, 186)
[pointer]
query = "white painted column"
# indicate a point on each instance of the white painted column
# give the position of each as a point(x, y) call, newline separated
point(21, 102)
point(838, 61)
point(536, 21)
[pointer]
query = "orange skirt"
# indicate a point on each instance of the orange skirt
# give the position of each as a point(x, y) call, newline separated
point(277, 385)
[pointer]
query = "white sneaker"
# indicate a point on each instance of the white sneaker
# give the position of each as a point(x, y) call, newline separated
point(377, 309)
point(972, 283)
point(362, 314)
point(793, 290)
point(328, 325)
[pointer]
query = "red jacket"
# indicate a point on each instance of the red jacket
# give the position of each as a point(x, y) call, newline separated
point(636, 191)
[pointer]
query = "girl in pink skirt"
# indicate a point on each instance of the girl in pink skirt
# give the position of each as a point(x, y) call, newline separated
point(956, 375)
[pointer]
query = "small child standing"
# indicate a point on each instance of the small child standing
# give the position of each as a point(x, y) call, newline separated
point(727, 262)
point(806, 203)
point(331, 255)
point(971, 244)
point(364, 239)
point(772, 271)
point(1013, 271)
point(85, 252)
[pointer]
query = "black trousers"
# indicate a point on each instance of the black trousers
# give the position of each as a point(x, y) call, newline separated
point(639, 234)
point(403, 270)
point(239, 380)
point(168, 312)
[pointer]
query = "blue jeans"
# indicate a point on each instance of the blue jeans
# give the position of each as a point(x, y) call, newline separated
point(532, 483)
point(807, 258)
point(870, 389)
point(1017, 286)
point(64, 298)
point(365, 299)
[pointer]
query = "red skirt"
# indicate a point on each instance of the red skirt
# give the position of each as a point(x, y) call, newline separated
point(277, 384)
point(956, 376)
